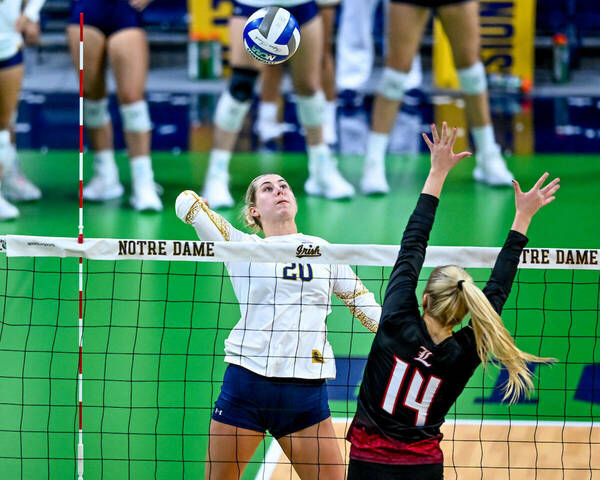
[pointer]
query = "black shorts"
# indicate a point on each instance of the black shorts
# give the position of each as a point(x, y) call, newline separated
point(358, 470)
point(431, 3)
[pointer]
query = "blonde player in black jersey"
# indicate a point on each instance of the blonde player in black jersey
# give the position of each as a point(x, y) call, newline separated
point(418, 365)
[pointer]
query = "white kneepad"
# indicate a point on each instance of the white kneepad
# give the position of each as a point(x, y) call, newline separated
point(95, 113)
point(393, 84)
point(472, 79)
point(136, 117)
point(230, 113)
point(311, 109)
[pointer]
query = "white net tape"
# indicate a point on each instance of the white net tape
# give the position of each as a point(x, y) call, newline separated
point(348, 254)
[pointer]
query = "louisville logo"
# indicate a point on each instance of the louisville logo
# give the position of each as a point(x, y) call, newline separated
point(423, 355)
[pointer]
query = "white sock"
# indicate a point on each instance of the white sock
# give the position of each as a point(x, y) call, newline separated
point(329, 130)
point(13, 159)
point(377, 144)
point(105, 158)
point(267, 113)
point(6, 156)
point(483, 137)
point(218, 164)
point(317, 156)
point(104, 161)
point(141, 169)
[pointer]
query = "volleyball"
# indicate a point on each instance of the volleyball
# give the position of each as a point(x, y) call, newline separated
point(271, 35)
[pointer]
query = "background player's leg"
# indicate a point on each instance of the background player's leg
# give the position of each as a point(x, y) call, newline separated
point(10, 86)
point(354, 47)
point(324, 177)
point(461, 24)
point(406, 25)
point(232, 107)
point(314, 452)
point(267, 126)
point(128, 55)
point(229, 451)
point(328, 74)
point(105, 184)
point(15, 186)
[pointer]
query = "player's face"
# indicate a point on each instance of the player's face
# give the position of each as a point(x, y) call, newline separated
point(275, 200)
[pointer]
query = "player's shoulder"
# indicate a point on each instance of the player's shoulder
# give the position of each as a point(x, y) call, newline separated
point(252, 237)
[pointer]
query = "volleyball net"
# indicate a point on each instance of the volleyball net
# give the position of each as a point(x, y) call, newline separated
point(155, 317)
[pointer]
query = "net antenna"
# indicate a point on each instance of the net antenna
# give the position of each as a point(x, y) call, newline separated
point(80, 240)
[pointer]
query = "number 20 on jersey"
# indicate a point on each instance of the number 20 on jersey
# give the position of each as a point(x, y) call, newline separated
point(297, 271)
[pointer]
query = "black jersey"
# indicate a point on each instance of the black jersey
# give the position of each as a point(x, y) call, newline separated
point(409, 382)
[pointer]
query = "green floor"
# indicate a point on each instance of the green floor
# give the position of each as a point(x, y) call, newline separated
point(146, 414)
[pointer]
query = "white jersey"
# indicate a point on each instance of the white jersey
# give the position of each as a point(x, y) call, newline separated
point(10, 10)
point(282, 331)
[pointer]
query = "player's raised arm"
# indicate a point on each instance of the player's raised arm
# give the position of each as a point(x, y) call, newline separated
point(400, 293)
point(194, 210)
point(361, 302)
point(527, 204)
point(443, 159)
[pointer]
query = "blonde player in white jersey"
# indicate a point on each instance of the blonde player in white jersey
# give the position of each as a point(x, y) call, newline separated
point(324, 177)
point(267, 126)
point(278, 353)
point(16, 23)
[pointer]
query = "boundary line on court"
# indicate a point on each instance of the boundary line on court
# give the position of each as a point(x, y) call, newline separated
point(274, 452)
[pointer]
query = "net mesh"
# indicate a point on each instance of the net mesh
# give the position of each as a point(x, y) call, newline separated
point(153, 364)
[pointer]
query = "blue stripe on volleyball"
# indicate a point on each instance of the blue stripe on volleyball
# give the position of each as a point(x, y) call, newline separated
point(253, 25)
point(288, 31)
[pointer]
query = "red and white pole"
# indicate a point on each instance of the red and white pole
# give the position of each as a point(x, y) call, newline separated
point(80, 240)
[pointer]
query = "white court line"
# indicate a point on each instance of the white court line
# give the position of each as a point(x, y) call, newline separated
point(269, 464)
point(274, 452)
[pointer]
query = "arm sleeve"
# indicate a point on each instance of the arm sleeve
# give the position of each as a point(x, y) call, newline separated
point(212, 226)
point(498, 287)
point(32, 9)
point(361, 302)
point(400, 292)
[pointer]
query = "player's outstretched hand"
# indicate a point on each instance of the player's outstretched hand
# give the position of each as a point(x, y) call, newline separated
point(443, 158)
point(530, 202)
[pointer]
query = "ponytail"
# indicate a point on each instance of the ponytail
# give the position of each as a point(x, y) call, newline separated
point(450, 301)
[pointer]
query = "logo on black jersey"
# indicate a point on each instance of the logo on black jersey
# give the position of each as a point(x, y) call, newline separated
point(424, 354)
point(308, 251)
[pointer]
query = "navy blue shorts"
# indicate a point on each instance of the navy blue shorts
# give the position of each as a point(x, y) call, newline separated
point(303, 13)
point(16, 59)
point(278, 405)
point(108, 16)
